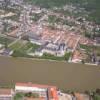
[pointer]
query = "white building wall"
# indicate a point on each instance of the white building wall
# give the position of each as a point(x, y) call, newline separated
point(28, 89)
point(49, 51)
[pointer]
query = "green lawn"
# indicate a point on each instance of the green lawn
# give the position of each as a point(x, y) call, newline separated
point(52, 57)
point(96, 97)
point(19, 96)
point(21, 49)
point(32, 46)
point(16, 46)
point(91, 48)
point(87, 48)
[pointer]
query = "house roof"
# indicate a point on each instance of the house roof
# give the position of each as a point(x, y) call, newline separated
point(34, 85)
point(5, 91)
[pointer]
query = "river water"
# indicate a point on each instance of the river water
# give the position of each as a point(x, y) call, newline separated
point(62, 74)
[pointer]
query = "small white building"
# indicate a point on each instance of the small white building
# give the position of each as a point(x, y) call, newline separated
point(28, 87)
point(38, 42)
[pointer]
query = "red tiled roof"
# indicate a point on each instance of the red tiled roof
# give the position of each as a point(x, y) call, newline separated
point(5, 91)
point(34, 85)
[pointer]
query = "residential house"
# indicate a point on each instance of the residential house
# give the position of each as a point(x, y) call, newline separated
point(6, 94)
point(43, 91)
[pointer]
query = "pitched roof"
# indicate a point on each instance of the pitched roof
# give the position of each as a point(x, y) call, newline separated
point(34, 85)
point(5, 91)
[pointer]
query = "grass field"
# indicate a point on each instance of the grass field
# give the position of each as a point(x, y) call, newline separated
point(21, 48)
point(4, 40)
point(52, 57)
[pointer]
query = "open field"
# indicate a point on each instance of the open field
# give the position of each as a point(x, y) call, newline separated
point(3, 40)
point(64, 75)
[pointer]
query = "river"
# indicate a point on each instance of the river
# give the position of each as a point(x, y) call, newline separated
point(62, 74)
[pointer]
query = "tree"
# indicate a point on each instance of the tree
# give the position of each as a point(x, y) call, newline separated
point(6, 44)
point(89, 94)
point(67, 56)
point(5, 27)
point(28, 94)
point(18, 96)
point(98, 91)
point(6, 3)
point(83, 62)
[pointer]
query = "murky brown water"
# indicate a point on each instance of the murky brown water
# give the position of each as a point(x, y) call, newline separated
point(64, 75)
